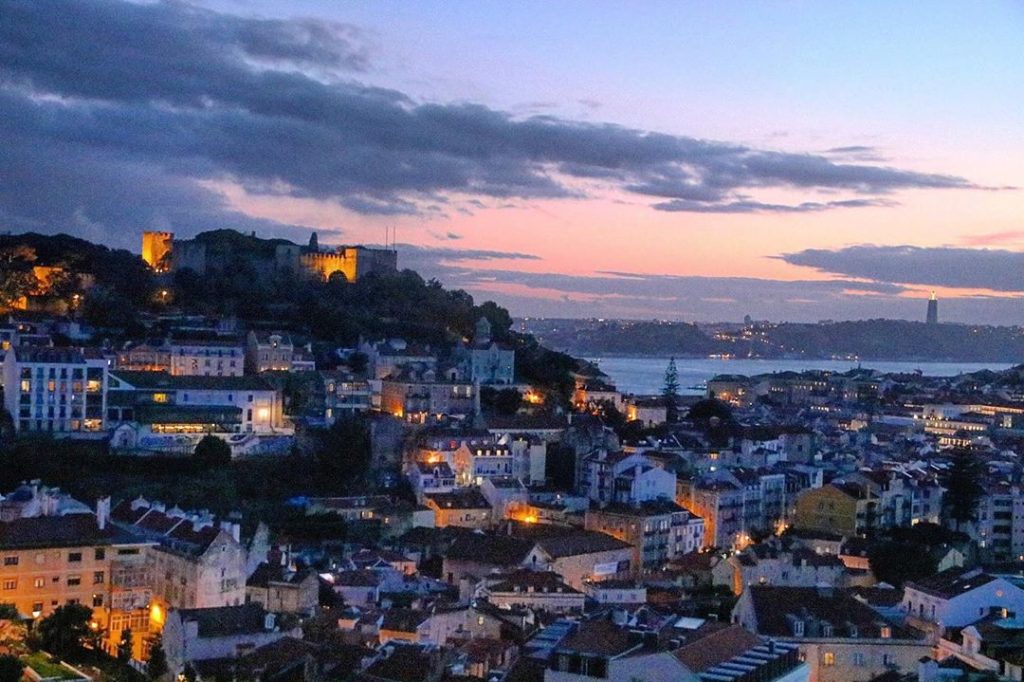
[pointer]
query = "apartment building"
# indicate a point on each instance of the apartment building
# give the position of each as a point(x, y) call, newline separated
point(194, 562)
point(56, 390)
point(659, 531)
point(207, 357)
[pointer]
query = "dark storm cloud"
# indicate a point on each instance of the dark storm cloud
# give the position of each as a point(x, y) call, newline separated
point(167, 93)
point(995, 269)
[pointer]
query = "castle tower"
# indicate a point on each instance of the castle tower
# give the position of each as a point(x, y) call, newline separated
point(157, 248)
point(933, 310)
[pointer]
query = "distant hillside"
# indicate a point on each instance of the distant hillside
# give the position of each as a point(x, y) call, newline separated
point(867, 339)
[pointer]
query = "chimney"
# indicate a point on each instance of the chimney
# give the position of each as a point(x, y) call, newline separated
point(102, 512)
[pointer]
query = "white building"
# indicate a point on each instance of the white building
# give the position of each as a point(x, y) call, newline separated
point(208, 358)
point(957, 597)
point(56, 390)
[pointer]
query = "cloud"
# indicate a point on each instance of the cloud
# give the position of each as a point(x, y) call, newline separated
point(445, 236)
point(759, 207)
point(995, 269)
point(990, 238)
point(175, 95)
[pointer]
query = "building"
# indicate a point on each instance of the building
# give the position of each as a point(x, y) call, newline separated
point(536, 590)
point(485, 361)
point(843, 508)
point(840, 638)
point(769, 563)
point(658, 531)
point(419, 394)
point(145, 357)
point(736, 503)
point(602, 649)
point(345, 395)
point(280, 590)
point(582, 557)
point(932, 316)
point(227, 632)
point(195, 562)
point(207, 357)
point(57, 551)
point(157, 411)
point(61, 391)
point(957, 597)
point(268, 352)
point(216, 251)
point(463, 508)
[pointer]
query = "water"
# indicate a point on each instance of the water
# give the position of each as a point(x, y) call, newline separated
point(646, 376)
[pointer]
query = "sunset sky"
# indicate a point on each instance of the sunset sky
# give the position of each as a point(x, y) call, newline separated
point(694, 161)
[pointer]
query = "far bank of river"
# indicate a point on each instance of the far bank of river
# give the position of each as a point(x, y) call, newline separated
point(646, 375)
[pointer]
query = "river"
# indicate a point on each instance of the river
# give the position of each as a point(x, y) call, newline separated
point(646, 376)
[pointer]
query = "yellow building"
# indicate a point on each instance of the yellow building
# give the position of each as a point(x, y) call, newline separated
point(53, 561)
point(844, 509)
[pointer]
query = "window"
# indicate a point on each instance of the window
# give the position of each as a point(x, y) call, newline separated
point(828, 659)
point(10, 561)
point(858, 658)
point(39, 582)
point(10, 584)
point(887, 659)
point(98, 578)
point(97, 600)
point(74, 557)
point(101, 554)
point(74, 580)
point(37, 607)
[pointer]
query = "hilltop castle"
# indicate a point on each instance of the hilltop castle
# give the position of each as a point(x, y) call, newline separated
point(215, 251)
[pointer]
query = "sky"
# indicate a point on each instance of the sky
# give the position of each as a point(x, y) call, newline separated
point(691, 161)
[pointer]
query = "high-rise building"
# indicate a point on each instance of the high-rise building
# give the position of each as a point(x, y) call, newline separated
point(933, 310)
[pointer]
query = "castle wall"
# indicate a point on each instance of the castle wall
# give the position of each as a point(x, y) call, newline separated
point(156, 246)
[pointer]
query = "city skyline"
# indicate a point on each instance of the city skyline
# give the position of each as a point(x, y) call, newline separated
point(571, 160)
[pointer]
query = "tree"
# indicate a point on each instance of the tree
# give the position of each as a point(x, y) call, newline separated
point(343, 452)
point(156, 666)
point(212, 452)
point(962, 487)
point(11, 668)
point(897, 562)
point(9, 612)
point(670, 392)
point(124, 647)
point(63, 631)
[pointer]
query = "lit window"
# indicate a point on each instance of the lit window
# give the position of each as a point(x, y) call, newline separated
point(828, 659)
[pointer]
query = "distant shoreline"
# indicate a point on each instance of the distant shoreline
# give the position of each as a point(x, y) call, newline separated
point(689, 356)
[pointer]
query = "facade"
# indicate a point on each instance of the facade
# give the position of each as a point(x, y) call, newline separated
point(194, 562)
point(958, 597)
point(419, 395)
point(56, 390)
point(463, 508)
point(840, 638)
point(658, 531)
point(195, 635)
point(208, 358)
point(486, 362)
point(345, 395)
point(845, 509)
point(165, 405)
point(537, 590)
point(279, 590)
point(268, 352)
